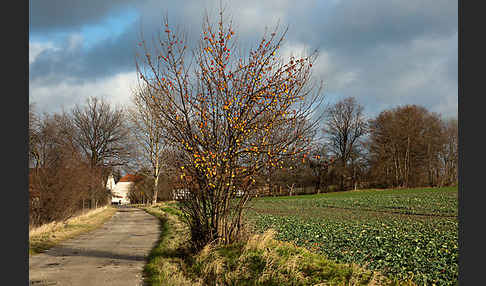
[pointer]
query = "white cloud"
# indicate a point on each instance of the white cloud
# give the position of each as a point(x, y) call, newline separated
point(72, 43)
point(334, 75)
point(36, 48)
point(324, 68)
point(448, 107)
point(75, 41)
point(254, 19)
point(293, 49)
point(55, 97)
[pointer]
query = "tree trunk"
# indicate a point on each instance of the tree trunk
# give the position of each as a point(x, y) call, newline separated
point(407, 162)
point(156, 183)
point(291, 189)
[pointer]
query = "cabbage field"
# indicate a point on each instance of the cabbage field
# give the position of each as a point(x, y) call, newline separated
point(403, 233)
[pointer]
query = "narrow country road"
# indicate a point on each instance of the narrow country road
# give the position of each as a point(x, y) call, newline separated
point(113, 254)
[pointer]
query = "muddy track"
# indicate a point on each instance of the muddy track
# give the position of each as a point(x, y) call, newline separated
point(401, 213)
point(113, 254)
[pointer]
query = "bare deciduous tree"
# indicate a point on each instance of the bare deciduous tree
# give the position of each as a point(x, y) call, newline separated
point(100, 132)
point(149, 136)
point(222, 115)
point(59, 175)
point(45, 142)
point(33, 132)
point(403, 146)
point(449, 152)
point(345, 124)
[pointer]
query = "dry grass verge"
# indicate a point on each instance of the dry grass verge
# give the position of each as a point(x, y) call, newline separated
point(48, 235)
point(261, 260)
point(265, 261)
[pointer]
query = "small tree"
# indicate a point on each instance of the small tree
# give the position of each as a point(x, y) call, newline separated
point(223, 116)
point(148, 135)
point(319, 163)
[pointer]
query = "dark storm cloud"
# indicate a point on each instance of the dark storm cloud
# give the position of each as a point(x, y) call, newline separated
point(382, 52)
point(109, 56)
point(71, 60)
point(353, 25)
point(64, 15)
point(385, 53)
point(364, 24)
point(420, 71)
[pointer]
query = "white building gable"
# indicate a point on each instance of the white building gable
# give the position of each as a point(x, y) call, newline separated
point(121, 189)
point(110, 183)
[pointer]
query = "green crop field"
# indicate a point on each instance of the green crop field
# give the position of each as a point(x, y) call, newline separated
point(408, 233)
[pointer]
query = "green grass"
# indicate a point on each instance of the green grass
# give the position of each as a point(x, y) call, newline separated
point(172, 211)
point(165, 260)
point(405, 234)
point(261, 260)
point(151, 270)
point(420, 201)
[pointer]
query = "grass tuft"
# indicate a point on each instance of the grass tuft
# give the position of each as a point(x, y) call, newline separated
point(266, 261)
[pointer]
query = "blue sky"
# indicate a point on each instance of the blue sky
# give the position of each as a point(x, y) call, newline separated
point(112, 26)
point(385, 53)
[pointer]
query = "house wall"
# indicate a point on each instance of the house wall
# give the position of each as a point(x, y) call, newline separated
point(110, 183)
point(179, 194)
point(122, 189)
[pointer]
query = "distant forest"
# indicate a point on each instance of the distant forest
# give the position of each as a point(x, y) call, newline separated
point(72, 153)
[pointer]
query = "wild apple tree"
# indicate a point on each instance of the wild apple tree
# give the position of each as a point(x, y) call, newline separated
point(230, 116)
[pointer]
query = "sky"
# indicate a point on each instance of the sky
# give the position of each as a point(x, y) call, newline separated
point(385, 53)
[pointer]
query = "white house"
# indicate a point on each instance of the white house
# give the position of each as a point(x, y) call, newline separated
point(120, 190)
point(110, 183)
point(179, 194)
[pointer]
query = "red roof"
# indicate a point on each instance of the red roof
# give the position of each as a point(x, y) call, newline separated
point(131, 178)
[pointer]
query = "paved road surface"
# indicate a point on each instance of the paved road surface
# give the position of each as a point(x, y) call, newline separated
point(113, 254)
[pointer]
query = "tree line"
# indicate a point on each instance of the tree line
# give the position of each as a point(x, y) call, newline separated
point(72, 153)
point(405, 146)
point(70, 156)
